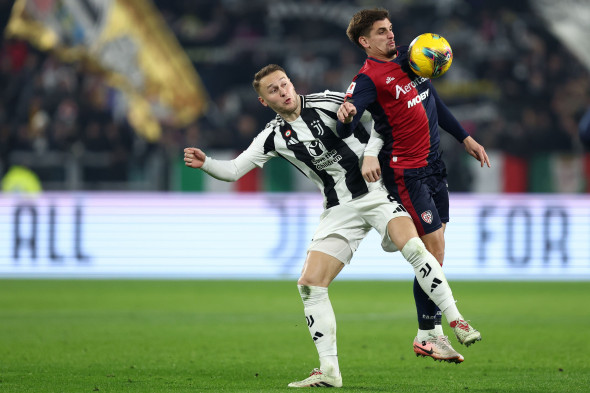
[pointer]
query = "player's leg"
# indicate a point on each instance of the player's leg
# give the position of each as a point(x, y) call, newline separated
point(430, 341)
point(325, 260)
point(435, 240)
point(398, 232)
point(431, 314)
point(411, 188)
point(430, 276)
point(319, 271)
point(427, 269)
point(424, 198)
point(338, 235)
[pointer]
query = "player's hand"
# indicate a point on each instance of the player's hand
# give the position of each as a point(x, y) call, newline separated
point(346, 112)
point(193, 157)
point(476, 151)
point(371, 169)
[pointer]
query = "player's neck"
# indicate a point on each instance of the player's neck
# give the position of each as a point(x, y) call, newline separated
point(385, 57)
point(293, 115)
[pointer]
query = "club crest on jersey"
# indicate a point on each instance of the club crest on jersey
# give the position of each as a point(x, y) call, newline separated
point(318, 126)
point(427, 216)
point(287, 133)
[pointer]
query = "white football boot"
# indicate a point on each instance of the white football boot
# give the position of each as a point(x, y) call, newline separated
point(465, 333)
point(439, 348)
point(317, 379)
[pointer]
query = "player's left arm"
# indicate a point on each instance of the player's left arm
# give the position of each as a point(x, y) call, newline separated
point(371, 169)
point(451, 125)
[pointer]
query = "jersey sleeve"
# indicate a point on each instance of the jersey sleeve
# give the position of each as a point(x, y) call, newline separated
point(446, 120)
point(374, 145)
point(227, 170)
point(256, 155)
point(361, 93)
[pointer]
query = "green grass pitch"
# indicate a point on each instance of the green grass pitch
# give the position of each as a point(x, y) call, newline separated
point(246, 336)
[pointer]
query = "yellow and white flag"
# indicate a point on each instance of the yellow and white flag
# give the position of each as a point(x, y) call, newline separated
point(129, 43)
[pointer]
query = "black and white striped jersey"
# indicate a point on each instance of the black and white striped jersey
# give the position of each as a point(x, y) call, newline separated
point(312, 145)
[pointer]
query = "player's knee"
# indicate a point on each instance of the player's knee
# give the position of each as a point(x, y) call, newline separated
point(314, 280)
point(439, 255)
point(437, 251)
point(325, 259)
point(435, 244)
point(307, 281)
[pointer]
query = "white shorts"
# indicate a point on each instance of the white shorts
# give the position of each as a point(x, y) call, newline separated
point(353, 220)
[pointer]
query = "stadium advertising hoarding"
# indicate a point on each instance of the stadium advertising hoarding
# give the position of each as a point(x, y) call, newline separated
point(265, 236)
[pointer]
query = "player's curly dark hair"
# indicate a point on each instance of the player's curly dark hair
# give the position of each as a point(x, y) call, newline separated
point(264, 71)
point(362, 21)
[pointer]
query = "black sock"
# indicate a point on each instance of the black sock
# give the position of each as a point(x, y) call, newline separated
point(426, 309)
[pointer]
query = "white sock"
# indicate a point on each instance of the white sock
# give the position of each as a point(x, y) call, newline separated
point(321, 322)
point(438, 331)
point(431, 277)
point(329, 365)
point(424, 335)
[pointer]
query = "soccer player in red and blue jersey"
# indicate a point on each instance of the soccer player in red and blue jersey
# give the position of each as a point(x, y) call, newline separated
point(407, 112)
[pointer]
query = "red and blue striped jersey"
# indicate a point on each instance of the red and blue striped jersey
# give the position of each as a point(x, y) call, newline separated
point(405, 108)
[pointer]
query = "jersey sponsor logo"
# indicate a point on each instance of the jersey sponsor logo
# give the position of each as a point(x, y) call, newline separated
point(322, 159)
point(389, 79)
point(408, 87)
point(350, 90)
point(316, 148)
point(419, 98)
point(427, 216)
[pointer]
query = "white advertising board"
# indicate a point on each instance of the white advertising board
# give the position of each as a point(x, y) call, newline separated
point(265, 236)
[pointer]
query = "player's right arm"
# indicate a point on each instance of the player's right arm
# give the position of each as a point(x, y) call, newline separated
point(194, 157)
point(231, 170)
point(226, 170)
point(360, 94)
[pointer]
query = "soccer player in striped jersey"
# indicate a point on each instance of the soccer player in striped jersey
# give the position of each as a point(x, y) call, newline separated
point(304, 133)
point(407, 111)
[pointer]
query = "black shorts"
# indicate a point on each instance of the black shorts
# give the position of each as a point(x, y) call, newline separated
point(423, 192)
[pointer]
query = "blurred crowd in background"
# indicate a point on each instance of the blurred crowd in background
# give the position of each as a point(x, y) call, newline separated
point(512, 85)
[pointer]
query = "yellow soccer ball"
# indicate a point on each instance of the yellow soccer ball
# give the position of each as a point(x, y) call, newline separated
point(430, 55)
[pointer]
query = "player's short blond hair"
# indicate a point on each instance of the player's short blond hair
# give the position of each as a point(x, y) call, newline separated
point(264, 71)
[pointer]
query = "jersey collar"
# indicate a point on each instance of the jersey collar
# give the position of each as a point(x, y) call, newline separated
point(380, 61)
